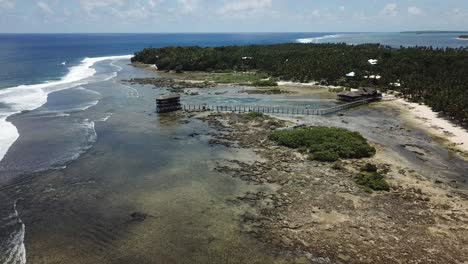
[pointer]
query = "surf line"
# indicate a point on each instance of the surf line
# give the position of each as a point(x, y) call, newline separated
point(29, 97)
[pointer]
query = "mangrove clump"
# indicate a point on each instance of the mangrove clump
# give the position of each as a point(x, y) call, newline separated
point(325, 144)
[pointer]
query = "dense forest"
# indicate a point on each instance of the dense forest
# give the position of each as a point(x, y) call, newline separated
point(437, 77)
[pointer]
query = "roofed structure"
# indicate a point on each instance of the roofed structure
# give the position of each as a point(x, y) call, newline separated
point(168, 103)
point(361, 94)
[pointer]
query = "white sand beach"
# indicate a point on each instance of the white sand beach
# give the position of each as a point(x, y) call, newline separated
point(424, 116)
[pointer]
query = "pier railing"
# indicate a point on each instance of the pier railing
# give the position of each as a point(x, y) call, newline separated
point(273, 109)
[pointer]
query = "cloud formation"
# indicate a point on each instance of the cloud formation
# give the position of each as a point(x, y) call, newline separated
point(244, 7)
point(45, 8)
point(390, 9)
point(415, 11)
point(7, 4)
point(229, 15)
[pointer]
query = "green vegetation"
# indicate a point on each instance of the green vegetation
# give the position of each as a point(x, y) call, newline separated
point(325, 143)
point(232, 77)
point(372, 181)
point(433, 32)
point(265, 83)
point(253, 115)
point(437, 77)
point(224, 77)
point(369, 167)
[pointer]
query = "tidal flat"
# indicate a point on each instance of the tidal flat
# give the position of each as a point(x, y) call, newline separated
point(321, 213)
point(212, 188)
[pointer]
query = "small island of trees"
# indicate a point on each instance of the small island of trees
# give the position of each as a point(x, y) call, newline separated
point(434, 76)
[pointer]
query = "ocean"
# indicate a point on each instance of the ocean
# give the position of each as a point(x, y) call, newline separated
point(66, 114)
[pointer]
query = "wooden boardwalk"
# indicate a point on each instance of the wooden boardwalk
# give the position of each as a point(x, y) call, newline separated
point(274, 110)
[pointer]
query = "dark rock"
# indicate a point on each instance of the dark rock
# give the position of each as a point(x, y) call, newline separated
point(138, 216)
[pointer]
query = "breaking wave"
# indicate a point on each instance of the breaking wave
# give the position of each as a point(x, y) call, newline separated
point(14, 228)
point(14, 100)
point(317, 39)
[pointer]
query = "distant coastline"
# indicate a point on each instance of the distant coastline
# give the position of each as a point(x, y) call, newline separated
point(434, 32)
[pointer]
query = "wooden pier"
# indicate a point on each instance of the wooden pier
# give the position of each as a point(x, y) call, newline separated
point(275, 110)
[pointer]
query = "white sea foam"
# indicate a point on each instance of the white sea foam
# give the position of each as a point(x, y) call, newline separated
point(113, 75)
point(317, 39)
point(116, 66)
point(30, 97)
point(16, 250)
point(104, 119)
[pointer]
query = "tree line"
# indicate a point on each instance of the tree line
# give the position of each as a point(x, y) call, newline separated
point(438, 77)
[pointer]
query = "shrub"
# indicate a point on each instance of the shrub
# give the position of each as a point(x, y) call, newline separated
point(253, 115)
point(369, 168)
point(373, 181)
point(325, 143)
point(326, 156)
point(179, 69)
point(265, 83)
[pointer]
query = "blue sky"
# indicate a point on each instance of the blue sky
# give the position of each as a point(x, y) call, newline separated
point(231, 15)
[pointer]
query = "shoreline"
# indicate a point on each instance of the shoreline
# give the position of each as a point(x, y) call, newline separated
point(424, 116)
point(420, 114)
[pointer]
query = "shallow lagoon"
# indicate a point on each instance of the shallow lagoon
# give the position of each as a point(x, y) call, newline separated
point(133, 162)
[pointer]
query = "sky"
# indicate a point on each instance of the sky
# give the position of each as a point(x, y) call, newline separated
point(112, 16)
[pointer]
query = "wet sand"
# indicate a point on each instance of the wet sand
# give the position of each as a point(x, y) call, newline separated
point(422, 115)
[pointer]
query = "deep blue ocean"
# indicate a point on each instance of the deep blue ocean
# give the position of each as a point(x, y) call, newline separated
point(36, 58)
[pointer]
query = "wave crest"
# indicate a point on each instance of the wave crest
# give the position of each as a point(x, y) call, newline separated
point(317, 39)
point(29, 97)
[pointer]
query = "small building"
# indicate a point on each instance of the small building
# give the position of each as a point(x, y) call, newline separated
point(168, 103)
point(360, 94)
point(351, 74)
point(373, 61)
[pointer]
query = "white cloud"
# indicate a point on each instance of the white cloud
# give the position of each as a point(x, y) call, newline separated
point(390, 9)
point(342, 8)
point(188, 6)
point(244, 7)
point(45, 8)
point(91, 5)
point(7, 4)
point(153, 3)
point(415, 11)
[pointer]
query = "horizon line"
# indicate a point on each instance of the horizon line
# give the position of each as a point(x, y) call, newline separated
point(236, 32)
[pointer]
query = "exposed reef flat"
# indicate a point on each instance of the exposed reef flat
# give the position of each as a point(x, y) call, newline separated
point(317, 211)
